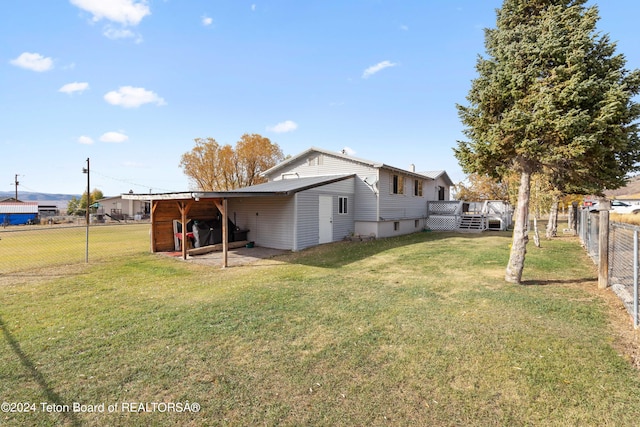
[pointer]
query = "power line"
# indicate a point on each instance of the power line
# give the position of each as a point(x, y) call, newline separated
point(129, 182)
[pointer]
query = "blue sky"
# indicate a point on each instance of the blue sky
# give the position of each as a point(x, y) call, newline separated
point(130, 83)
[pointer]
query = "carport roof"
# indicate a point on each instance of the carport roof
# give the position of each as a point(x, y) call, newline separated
point(282, 187)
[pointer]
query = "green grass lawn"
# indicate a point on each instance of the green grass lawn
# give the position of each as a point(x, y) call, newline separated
point(416, 330)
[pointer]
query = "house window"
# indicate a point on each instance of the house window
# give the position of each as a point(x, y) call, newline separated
point(417, 187)
point(342, 205)
point(396, 226)
point(440, 193)
point(416, 223)
point(397, 184)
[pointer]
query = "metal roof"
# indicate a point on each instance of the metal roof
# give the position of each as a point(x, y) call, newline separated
point(292, 185)
point(438, 174)
point(19, 208)
point(283, 187)
point(366, 162)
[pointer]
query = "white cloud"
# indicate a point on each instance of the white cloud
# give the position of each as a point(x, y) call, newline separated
point(404, 27)
point(253, 7)
point(206, 21)
point(376, 68)
point(74, 87)
point(349, 151)
point(115, 137)
point(131, 97)
point(125, 12)
point(33, 61)
point(118, 33)
point(85, 140)
point(286, 126)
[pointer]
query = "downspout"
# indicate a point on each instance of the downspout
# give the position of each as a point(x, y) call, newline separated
point(294, 243)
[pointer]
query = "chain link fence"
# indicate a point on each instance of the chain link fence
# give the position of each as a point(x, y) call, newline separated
point(623, 257)
point(33, 249)
point(588, 230)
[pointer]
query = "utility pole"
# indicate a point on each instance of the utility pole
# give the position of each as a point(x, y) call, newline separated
point(86, 170)
point(16, 183)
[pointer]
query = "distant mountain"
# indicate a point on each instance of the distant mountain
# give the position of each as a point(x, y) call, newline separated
point(630, 191)
point(26, 196)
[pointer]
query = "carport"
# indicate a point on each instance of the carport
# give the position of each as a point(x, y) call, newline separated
point(166, 207)
point(287, 208)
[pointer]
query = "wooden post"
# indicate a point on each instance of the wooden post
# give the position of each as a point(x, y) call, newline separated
point(225, 234)
point(603, 244)
point(154, 205)
point(184, 210)
point(222, 207)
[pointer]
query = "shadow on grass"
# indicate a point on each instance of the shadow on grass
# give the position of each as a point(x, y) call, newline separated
point(51, 395)
point(558, 281)
point(339, 254)
point(52, 274)
point(50, 271)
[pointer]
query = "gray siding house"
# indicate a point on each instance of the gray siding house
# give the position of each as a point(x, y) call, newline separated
point(315, 197)
point(375, 200)
point(295, 213)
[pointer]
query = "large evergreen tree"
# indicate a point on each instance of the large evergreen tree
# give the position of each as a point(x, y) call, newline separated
point(551, 97)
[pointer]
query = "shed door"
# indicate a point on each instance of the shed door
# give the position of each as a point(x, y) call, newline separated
point(325, 219)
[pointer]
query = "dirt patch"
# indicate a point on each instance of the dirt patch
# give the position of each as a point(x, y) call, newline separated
point(626, 337)
point(237, 257)
point(628, 342)
point(43, 274)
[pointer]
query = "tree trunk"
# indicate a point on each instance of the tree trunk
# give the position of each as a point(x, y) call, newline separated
point(536, 234)
point(520, 230)
point(552, 225)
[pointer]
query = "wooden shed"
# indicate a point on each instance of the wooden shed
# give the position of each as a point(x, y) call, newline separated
point(171, 209)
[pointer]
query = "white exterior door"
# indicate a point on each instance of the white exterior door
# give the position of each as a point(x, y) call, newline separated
point(325, 219)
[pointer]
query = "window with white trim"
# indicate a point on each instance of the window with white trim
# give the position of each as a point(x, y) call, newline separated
point(343, 205)
point(397, 184)
point(417, 187)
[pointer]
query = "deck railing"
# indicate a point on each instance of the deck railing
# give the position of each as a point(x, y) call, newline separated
point(458, 214)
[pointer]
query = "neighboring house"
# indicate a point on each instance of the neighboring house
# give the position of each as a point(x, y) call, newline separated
point(118, 209)
point(48, 210)
point(315, 197)
point(18, 213)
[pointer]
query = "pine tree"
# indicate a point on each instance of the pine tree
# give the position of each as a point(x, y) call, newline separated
point(551, 97)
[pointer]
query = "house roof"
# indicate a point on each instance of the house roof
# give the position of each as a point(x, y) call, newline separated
point(438, 174)
point(291, 185)
point(106, 199)
point(283, 187)
point(342, 156)
point(19, 207)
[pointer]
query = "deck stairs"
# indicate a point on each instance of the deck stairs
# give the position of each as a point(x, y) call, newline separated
point(472, 223)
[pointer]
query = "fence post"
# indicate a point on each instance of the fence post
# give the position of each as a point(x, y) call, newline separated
point(603, 247)
point(574, 217)
point(635, 278)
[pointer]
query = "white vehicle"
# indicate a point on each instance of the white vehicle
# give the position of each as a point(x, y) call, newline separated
point(619, 207)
